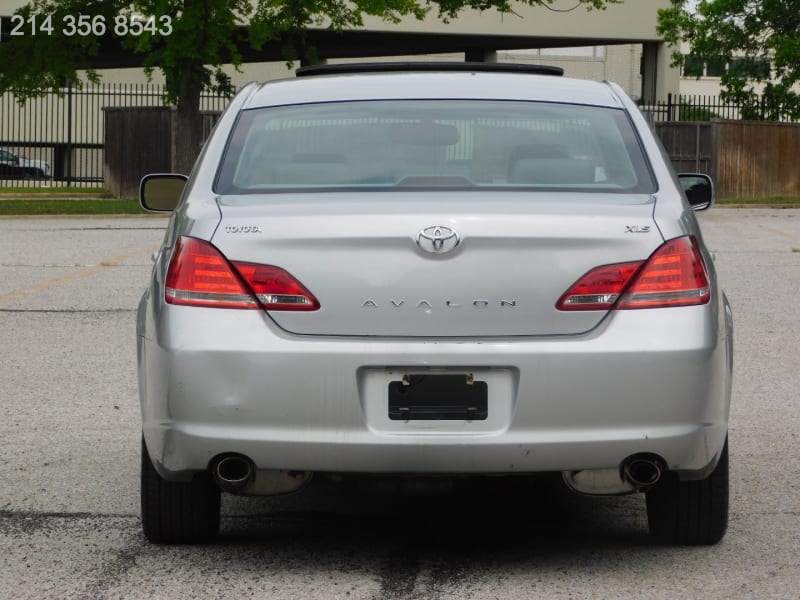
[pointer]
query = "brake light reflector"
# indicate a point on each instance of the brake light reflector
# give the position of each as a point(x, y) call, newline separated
point(674, 275)
point(199, 275)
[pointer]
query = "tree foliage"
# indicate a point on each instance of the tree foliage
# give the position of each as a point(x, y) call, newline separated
point(745, 35)
point(205, 36)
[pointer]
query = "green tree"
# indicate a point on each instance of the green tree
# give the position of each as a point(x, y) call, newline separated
point(202, 36)
point(745, 35)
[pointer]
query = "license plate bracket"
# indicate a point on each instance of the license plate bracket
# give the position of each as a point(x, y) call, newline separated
point(434, 397)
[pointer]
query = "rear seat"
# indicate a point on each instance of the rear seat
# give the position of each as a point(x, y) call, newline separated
point(552, 171)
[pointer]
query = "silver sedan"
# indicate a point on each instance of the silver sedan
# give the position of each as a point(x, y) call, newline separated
point(433, 271)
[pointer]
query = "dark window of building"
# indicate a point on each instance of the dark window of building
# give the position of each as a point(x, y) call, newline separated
point(692, 66)
point(749, 68)
point(716, 66)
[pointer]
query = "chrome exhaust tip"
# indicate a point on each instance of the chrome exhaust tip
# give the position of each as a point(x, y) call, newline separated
point(642, 471)
point(232, 472)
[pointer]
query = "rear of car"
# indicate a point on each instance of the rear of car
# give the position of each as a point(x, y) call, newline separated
point(440, 272)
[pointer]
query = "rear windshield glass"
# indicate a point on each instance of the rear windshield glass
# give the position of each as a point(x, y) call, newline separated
point(461, 144)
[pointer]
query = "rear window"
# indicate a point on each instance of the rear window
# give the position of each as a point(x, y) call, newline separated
point(461, 144)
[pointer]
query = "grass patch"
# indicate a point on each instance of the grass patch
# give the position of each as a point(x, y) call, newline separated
point(39, 191)
point(67, 206)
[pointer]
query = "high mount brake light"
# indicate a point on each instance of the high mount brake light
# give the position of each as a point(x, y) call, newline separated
point(674, 275)
point(199, 275)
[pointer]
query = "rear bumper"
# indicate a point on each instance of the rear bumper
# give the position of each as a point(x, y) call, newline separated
point(215, 381)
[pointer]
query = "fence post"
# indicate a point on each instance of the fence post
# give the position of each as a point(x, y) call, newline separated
point(669, 107)
point(714, 170)
point(697, 147)
point(69, 133)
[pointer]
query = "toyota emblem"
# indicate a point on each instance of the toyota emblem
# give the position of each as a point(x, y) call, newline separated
point(438, 239)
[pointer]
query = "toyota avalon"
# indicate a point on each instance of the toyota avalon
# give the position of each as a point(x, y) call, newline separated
point(433, 270)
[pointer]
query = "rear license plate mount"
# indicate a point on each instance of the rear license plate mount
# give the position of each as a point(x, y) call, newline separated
point(435, 397)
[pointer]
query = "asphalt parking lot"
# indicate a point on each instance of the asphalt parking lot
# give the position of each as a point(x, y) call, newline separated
point(69, 452)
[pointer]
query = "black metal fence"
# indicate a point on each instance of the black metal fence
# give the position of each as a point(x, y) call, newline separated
point(679, 107)
point(57, 139)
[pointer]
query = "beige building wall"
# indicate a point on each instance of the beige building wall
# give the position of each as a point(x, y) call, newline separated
point(618, 63)
point(708, 85)
point(613, 63)
point(630, 20)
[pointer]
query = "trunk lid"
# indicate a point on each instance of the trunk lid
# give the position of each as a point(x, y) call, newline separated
point(359, 255)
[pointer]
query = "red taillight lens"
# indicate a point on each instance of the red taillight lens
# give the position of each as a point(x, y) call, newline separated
point(275, 288)
point(599, 288)
point(675, 275)
point(199, 275)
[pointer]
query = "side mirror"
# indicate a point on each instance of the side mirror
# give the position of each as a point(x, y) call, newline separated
point(699, 190)
point(161, 192)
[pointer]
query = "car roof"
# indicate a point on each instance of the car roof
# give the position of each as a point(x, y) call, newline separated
point(447, 83)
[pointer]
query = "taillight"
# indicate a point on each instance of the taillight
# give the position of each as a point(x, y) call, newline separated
point(199, 275)
point(599, 288)
point(674, 275)
point(275, 288)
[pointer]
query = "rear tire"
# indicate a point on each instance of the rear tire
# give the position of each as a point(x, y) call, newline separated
point(177, 512)
point(691, 513)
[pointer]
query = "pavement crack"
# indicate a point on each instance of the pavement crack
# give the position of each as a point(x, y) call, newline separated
point(114, 569)
point(111, 228)
point(26, 522)
point(68, 311)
